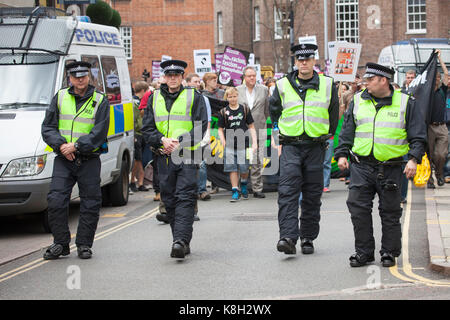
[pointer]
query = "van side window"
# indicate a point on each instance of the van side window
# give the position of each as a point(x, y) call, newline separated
point(112, 81)
point(96, 77)
point(66, 82)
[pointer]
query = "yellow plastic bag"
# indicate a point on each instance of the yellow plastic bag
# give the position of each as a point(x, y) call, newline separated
point(423, 172)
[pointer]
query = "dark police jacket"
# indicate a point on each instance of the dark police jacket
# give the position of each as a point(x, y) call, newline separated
point(86, 143)
point(415, 128)
point(276, 107)
point(149, 131)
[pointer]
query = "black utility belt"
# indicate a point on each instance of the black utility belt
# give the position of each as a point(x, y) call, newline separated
point(299, 139)
point(374, 162)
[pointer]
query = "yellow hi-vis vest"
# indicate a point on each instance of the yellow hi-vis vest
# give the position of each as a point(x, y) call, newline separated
point(383, 130)
point(179, 120)
point(72, 124)
point(310, 116)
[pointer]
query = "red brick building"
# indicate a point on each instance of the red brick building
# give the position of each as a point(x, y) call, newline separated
point(152, 28)
point(255, 26)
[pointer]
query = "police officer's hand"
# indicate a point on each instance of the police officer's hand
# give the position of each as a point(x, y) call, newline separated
point(170, 145)
point(410, 168)
point(343, 163)
point(68, 150)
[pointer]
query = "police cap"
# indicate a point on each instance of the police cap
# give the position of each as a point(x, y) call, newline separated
point(173, 66)
point(374, 69)
point(78, 68)
point(304, 51)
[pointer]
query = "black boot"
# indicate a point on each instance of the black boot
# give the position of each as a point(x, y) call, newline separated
point(387, 260)
point(360, 259)
point(180, 249)
point(287, 246)
point(84, 252)
point(307, 246)
point(55, 250)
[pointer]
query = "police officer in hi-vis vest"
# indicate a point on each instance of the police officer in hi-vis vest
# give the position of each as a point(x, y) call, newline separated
point(380, 126)
point(75, 126)
point(175, 113)
point(305, 108)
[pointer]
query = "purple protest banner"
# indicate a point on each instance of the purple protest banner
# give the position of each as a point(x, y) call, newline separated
point(232, 66)
point(218, 57)
point(156, 70)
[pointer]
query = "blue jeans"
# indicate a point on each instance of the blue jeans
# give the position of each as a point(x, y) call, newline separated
point(201, 178)
point(327, 164)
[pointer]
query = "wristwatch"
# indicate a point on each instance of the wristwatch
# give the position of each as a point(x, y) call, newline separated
point(76, 146)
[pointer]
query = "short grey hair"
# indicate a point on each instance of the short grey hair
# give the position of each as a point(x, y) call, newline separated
point(247, 68)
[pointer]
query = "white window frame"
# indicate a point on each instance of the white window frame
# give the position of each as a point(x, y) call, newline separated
point(415, 17)
point(257, 24)
point(277, 27)
point(127, 37)
point(343, 10)
point(219, 27)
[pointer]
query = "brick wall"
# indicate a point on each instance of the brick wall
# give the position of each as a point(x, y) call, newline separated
point(310, 21)
point(166, 27)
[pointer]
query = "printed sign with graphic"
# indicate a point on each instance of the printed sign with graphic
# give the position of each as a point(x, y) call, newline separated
point(156, 69)
point(345, 61)
point(202, 61)
point(232, 67)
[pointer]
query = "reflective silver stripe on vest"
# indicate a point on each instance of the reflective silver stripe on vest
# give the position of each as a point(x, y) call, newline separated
point(316, 120)
point(73, 134)
point(363, 121)
point(386, 124)
point(281, 90)
point(175, 117)
point(365, 135)
point(396, 142)
point(293, 104)
point(307, 118)
point(403, 105)
point(356, 104)
point(318, 104)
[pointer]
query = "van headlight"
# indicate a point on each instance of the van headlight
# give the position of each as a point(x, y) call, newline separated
point(25, 167)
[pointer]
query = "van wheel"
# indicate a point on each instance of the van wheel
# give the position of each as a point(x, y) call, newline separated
point(118, 191)
point(45, 224)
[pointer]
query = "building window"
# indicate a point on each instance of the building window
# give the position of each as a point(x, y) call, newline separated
point(281, 22)
point(257, 29)
point(219, 28)
point(126, 34)
point(417, 16)
point(347, 20)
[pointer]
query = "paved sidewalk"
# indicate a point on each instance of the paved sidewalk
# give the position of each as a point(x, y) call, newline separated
point(438, 227)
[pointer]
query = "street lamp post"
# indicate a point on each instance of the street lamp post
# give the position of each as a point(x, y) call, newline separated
point(291, 31)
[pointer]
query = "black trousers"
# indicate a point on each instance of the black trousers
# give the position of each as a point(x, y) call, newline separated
point(364, 184)
point(301, 170)
point(178, 186)
point(65, 175)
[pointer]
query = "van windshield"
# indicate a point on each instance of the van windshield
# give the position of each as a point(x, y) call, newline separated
point(23, 86)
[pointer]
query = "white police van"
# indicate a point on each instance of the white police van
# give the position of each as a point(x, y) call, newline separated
point(33, 53)
point(412, 54)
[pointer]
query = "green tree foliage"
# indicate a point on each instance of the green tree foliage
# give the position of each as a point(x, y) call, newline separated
point(100, 12)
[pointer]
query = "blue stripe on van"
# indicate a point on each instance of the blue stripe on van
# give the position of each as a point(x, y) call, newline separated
point(119, 118)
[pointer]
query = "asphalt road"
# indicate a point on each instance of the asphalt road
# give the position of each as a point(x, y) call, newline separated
point(233, 257)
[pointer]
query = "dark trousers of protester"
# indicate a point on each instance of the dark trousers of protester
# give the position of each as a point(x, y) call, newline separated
point(65, 174)
point(178, 185)
point(301, 170)
point(362, 189)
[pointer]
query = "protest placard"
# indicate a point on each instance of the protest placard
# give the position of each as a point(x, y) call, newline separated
point(345, 61)
point(202, 61)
